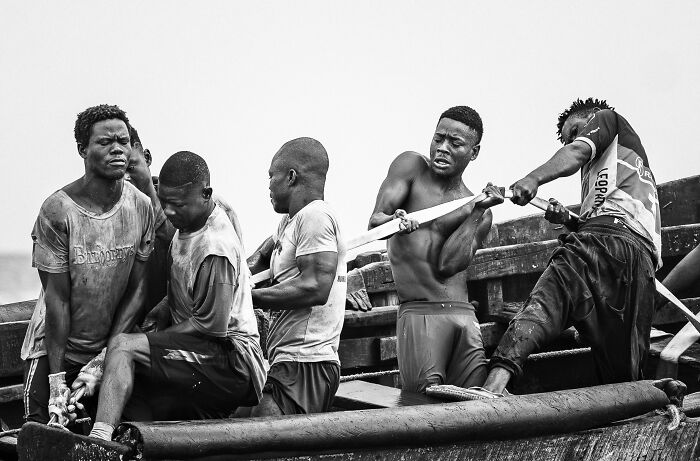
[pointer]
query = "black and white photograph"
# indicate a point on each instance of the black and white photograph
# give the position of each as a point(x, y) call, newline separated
point(349, 231)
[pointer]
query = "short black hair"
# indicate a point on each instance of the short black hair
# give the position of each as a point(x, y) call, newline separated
point(87, 118)
point(580, 108)
point(134, 136)
point(466, 115)
point(183, 168)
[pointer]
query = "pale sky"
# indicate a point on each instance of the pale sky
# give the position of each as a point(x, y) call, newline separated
point(233, 81)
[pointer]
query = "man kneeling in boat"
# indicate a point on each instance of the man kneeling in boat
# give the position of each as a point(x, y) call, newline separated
point(207, 361)
point(91, 242)
point(439, 339)
point(601, 278)
point(306, 258)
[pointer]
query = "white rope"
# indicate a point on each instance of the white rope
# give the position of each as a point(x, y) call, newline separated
point(374, 374)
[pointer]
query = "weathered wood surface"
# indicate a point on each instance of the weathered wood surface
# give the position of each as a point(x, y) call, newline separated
point(640, 440)
point(361, 395)
point(515, 417)
point(11, 393)
point(41, 442)
point(637, 440)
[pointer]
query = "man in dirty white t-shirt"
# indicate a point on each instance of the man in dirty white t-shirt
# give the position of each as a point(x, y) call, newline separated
point(306, 258)
point(92, 239)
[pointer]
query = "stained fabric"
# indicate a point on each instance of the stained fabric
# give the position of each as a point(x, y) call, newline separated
point(601, 281)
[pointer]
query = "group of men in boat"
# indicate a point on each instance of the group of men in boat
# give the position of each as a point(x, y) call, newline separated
point(146, 306)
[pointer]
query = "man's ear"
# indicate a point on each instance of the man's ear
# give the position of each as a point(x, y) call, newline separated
point(81, 150)
point(475, 151)
point(147, 156)
point(206, 192)
point(291, 177)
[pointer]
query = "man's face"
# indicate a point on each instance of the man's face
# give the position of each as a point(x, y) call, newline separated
point(280, 190)
point(106, 152)
point(138, 172)
point(184, 206)
point(573, 126)
point(452, 148)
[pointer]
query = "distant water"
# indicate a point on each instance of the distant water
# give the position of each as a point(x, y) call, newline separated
point(19, 281)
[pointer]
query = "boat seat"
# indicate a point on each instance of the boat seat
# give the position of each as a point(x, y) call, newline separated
point(362, 395)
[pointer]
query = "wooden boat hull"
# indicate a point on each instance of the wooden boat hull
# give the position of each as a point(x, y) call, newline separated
point(511, 426)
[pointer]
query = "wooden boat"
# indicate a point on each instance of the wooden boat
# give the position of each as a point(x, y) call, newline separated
point(558, 411)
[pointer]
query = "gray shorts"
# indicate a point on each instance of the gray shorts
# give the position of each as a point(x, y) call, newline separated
point(303, 387)
point(439, 343)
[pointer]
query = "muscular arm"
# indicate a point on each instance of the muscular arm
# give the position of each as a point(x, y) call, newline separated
point(132, 301)
point(311, 288)
point(260, 259)
point(565, 162)
point(57, 298)
point(396, 187)
point(460, 246)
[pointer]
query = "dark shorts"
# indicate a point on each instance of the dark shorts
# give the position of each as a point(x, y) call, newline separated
point(600, 280)
point(190, 378)
point(303, 387)
point(36, 389)
point(439, 343)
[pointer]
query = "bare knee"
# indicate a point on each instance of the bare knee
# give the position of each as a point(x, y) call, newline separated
point(124, 345)
point(266, 407)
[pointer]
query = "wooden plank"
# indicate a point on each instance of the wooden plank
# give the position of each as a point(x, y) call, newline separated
point(378, 316)
point(380, 279)
point(17, 311)
point(11, 339)
point(668, 313)
point(359, 352)
point(361, 395)
point(11, 393)
point(494, 298)
point(690, 358)
point(533, 257)
point(679, 240)
point(680, 201)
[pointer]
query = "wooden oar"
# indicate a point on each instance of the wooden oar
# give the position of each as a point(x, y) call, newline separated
point(390, 228)
point(695, 321)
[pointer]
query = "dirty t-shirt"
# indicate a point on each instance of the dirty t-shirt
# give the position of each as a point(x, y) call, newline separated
point(309, 334)
point(210, 287)
point(158, 263)
point(617, 180)
point(98, 250)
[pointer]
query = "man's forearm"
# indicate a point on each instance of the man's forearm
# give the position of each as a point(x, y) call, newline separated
point(57, 329)
point(129, 307)
point(459, 248)
point(290, 294)
point(379, 218)
point(565, 162)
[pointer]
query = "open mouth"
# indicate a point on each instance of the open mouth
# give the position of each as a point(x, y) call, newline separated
point(441, 163)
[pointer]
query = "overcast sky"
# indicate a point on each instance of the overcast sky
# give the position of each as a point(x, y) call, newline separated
point(233, 81)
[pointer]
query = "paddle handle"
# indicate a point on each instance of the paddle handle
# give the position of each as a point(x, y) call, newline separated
point(75, 396)
point(392, 227)
point(543, 204)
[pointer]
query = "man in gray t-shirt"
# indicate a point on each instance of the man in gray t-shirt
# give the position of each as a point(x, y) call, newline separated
point(306, 258)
